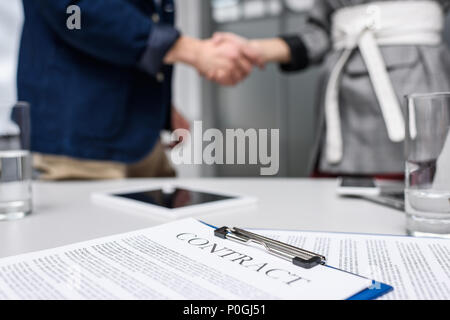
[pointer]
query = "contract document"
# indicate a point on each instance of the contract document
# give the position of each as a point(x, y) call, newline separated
point(179, 260)
point(417, 268)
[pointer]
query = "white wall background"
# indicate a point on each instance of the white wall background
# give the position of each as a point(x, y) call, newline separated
point(11, 19)
point(187, 83)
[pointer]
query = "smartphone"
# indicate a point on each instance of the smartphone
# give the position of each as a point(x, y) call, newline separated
point(358, 187)
point(384, 192)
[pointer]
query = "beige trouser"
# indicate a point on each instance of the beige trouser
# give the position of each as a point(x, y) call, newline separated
point(55, 168)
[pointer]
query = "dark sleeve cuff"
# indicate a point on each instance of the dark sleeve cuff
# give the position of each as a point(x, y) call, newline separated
point(161, 40)
point(299, 54)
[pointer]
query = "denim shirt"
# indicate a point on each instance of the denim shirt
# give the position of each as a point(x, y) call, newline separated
point(101, 92)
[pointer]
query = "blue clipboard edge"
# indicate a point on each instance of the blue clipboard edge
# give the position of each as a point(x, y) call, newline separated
point(373, 293)
point(377, 289)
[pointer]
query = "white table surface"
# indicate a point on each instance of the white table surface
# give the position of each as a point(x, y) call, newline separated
point(63, 213)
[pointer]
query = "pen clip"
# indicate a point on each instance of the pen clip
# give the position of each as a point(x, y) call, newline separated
point(299, 257)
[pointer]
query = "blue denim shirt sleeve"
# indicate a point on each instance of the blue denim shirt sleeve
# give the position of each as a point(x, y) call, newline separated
point(114, 31)
point(160, 41)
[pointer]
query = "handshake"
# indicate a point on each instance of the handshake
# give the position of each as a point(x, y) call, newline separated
point(226, 59)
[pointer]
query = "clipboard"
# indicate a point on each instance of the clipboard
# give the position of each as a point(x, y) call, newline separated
point(300, 257)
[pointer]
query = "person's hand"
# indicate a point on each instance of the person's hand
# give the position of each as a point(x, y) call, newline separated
point(223, 62)
point(244, 52)
point(227, 60)
point(259, 51)
point(248, 48)
point(178, 121)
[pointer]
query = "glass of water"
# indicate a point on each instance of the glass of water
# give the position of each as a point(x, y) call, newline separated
point(15, 161)
point(427, 196)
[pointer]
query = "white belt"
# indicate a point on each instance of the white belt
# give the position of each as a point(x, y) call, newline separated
point(367, 27)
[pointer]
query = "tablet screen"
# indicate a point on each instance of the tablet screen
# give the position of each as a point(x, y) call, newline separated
point(174, 198)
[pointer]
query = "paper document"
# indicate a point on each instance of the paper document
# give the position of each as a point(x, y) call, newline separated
point(417, 268)
point(180, 260)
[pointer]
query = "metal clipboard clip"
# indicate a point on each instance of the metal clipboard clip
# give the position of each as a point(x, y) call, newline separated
point(297, 256)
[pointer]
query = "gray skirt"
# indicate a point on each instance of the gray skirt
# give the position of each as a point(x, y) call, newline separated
point(367, 147)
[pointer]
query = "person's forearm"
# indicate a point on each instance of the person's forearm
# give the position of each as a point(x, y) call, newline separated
point(273, 50)
point(185, 50)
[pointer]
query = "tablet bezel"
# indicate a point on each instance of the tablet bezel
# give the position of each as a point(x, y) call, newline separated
point(111, 200)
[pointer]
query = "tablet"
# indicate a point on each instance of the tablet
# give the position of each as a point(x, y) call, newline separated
point(171, 201)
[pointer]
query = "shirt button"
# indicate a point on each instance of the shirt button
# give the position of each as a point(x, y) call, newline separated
point(155, 18)
point(160, 77)
point(169, 8)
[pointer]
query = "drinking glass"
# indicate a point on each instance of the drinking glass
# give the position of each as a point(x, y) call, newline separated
point(15, 161)
point(427, 195)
